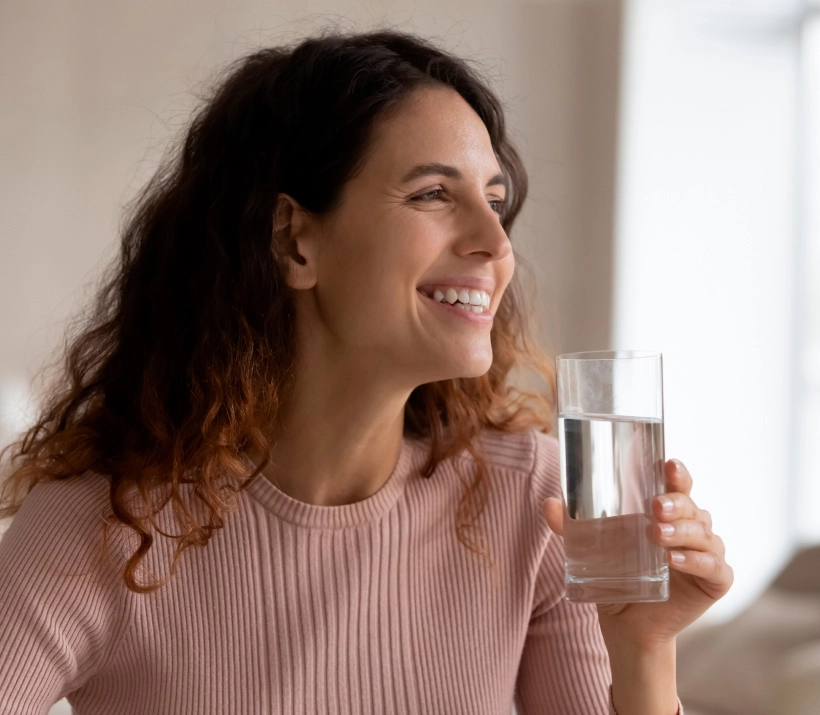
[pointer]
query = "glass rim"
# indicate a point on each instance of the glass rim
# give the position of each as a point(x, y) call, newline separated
point(610, 355)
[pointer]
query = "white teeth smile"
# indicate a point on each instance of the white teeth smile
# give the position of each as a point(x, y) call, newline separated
point(478, 301)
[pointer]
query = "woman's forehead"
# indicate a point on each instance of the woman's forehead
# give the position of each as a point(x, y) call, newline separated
point(432, 126)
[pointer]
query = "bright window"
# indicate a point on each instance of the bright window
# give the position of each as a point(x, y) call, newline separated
point(708, 240)
point(807, 287)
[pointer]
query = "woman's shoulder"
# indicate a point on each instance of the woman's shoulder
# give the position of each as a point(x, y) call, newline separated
point(76, 499)
point(530, 458)
point(60, 520)
point(519, 451)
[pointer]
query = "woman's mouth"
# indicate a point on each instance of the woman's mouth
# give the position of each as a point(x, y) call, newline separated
point(474, 314)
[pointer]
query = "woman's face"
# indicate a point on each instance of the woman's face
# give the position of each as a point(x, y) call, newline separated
point(401, 232)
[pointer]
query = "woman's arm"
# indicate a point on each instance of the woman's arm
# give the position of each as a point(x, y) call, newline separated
point(567, 666)
point(61, 604)
point(643, 679)
point(640, 637)
point(564, 668)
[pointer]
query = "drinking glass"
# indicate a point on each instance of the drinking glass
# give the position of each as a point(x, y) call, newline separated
point(610, 429)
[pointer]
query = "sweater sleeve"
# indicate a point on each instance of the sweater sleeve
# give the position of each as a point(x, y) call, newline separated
point(61, 600)
point(564, 668)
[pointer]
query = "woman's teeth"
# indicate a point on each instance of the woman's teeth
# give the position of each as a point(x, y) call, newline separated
point(478, 301)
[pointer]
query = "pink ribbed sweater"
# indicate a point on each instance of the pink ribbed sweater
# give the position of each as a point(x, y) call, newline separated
point(367, 608)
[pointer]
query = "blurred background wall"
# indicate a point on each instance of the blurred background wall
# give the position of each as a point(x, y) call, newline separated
point(672, 161)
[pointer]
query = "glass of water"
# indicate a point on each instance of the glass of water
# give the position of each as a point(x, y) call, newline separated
point(610, 428)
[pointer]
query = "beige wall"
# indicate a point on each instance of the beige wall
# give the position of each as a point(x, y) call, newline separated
point(91, 91)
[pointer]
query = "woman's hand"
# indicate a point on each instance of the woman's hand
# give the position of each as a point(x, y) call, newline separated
point(695, 583)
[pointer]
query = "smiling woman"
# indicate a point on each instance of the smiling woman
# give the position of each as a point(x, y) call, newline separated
point(300, 367)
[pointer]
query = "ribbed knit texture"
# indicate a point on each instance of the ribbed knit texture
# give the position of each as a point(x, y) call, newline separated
point(363, 609)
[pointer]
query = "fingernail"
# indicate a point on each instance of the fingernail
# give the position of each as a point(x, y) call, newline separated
point(667, 529)
point(677, 557)
point(666, 504)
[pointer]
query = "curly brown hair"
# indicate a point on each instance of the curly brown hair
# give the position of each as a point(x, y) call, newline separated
point(179, 366)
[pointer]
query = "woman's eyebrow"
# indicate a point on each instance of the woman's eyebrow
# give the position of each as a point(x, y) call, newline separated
point(445, 170)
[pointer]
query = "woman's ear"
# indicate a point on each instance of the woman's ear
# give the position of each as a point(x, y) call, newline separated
point(296, 235)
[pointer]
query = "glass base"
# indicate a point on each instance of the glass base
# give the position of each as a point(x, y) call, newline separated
point(617, 590)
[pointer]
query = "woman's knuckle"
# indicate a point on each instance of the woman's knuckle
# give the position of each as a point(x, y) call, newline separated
point(708, 536)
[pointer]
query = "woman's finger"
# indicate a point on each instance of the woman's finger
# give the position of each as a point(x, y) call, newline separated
point(687, 534)
point(553, 509)
point(677, 477)
point(675, 505)
point(717, 576)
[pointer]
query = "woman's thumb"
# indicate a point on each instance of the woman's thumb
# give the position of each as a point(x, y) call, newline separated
point(553, 510)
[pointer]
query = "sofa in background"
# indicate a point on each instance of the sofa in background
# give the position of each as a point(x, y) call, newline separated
point(766, 660)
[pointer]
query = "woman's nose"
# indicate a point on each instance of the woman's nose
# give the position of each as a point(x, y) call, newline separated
point(486, 234)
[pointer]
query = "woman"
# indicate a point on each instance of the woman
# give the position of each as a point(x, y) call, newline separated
point(278, 374)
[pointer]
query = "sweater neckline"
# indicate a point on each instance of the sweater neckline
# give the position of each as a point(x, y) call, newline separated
point(273, 499)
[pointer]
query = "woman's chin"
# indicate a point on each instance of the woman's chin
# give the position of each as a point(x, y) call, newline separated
point(472, 368)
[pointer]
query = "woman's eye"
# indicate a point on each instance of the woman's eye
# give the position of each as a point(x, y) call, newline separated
point(423, 197)
point(432, 195)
